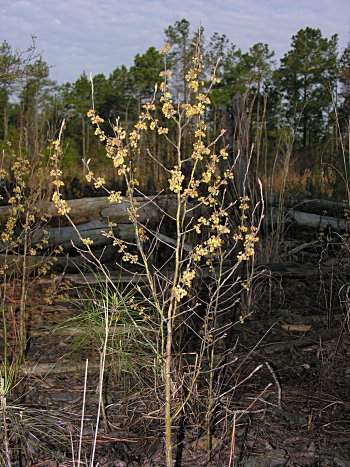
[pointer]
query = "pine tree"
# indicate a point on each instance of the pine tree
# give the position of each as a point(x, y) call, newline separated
point(307, 78)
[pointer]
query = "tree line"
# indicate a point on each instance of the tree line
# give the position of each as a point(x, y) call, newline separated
point(294, 109)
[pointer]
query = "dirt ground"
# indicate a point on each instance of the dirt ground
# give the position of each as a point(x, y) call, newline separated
point(289, 368)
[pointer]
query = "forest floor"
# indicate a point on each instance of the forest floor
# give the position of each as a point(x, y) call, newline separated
point(292, 409)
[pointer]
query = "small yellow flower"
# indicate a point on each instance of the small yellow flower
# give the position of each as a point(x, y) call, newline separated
point(87, 241)
point(163, 131)
point(115, 197)
point(166, 49)
point(89, 176)
point(179, 293)
point(96, 119)
point(99, 182)
point(187, 277)
point(166, 74)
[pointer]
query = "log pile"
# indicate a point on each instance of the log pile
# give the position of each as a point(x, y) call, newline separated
point(92, 217)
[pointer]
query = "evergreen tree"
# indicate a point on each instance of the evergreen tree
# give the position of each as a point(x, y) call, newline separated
point(307, 79)
point(121, 97)
point(145, 73)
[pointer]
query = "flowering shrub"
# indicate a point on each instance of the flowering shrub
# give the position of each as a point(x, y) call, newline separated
point(204, 243)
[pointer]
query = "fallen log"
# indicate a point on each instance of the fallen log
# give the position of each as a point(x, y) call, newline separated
point(307, 220)
point(58, 263)
point(70, 238)
point(323, 207)
point(315, 221)
point(60, 367)
point(298, 342)
point(101, 209)
point(15, 263)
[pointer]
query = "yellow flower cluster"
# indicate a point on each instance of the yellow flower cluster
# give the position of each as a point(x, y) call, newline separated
point(20, 169)
point(58, 183)
point(120, 132)
point(179, 293)
point(224, 154)
point(192, 77)
point(199, 252)
point(214, 243)
point(249, 238)
point(249, 243)
point(192, 110)
point(203, 98)
point(96, 119)
point(211, 247)
point(114, 145)
point(199, 150)
point(163, 130)
point(99, 182)
point(7, 234)
point(166, 49)
point(89, 176)
point(244, 203)
point(128, 257)
point(141, 233)
point(168, 106)
point(56, 172)
point(118, 161)
point(185, 283)
point(87, 241)
point(176, 180)
point(192, 189)
point(166, 74)
point(134, 138)
point(120, 243)
point(214, 222)
point(61, 204)
point(187, 277)
point(115, 197)
point(149, 106)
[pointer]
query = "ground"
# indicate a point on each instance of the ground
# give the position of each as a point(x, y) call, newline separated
point(288, 403)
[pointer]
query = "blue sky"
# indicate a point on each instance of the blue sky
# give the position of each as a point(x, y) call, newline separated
point(99, 35)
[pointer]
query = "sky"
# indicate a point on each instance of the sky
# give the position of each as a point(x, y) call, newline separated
point(99, 35)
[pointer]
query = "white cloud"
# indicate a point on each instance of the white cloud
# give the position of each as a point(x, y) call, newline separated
point(77, 35)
